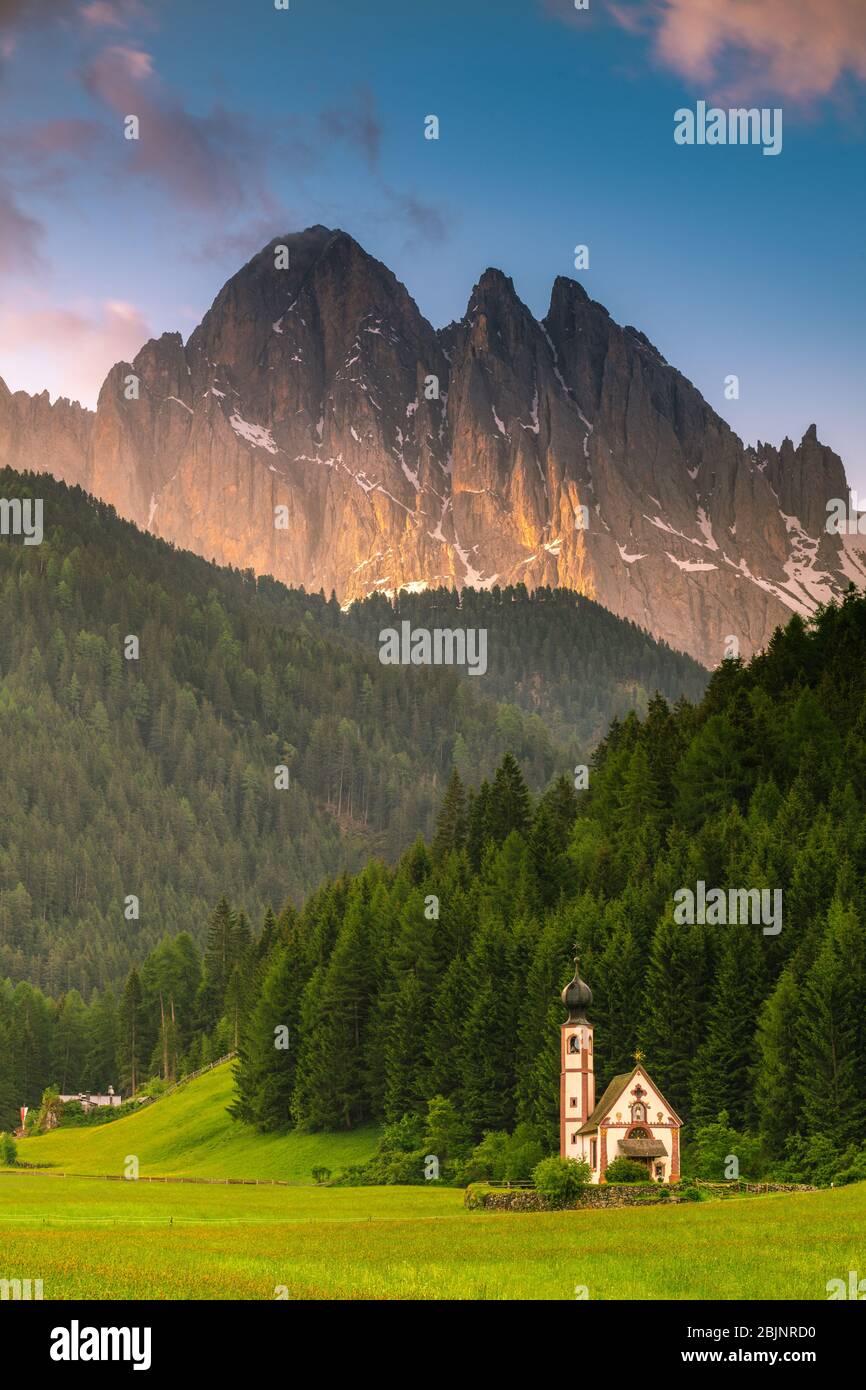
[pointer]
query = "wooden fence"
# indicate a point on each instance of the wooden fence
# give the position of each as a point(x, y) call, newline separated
point(26, 1170)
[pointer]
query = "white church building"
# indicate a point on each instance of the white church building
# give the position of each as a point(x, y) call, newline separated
point(632, 1119)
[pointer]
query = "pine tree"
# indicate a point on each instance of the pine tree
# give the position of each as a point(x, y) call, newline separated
point(832, 1032)
point(777, 1098)
point(219, 961)
point(266, 1068)
point(406, 1066)
point(70, 1041)
point(330, 1090)
point(675, 1002)
point(509, 801)
point(722, 1070)
point(451, 823)
point(131, 1051)
point(100, 1062)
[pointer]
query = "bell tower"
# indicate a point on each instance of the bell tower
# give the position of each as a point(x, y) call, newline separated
point(577, 1068)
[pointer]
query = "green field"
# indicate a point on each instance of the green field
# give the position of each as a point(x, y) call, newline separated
point(191, 1133)
point(91, 1239)
point(86, 1237)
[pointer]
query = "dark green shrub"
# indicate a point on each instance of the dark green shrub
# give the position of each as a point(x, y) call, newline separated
point(626, 1170)
point(687, 1192)
point(560, 1179)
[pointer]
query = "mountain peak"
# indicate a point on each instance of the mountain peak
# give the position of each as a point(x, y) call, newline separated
point(406, 457)
point(567, 292)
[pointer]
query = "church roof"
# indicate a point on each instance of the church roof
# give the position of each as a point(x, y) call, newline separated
point(577, 997)
point(642, 1148)
point(612, 1093)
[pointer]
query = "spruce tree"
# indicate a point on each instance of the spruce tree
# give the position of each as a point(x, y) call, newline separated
point(510, 807)
point(131, 1051)
point(451, 823)
point(832, 1032)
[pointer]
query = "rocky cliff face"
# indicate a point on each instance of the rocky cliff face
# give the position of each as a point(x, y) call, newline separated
point(317, 428)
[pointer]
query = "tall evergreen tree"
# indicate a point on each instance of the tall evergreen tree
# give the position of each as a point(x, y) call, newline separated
point(451, 823)
point(131, 1056)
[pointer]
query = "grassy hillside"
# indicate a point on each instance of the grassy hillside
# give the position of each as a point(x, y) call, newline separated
point(93, 1239)
point(189, 1133)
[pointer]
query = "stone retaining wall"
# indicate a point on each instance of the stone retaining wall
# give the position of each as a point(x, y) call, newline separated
point(481, 1198)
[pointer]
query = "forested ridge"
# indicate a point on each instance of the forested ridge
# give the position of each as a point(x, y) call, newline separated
point(440, 975)
point(154, 776)
point(555, 653)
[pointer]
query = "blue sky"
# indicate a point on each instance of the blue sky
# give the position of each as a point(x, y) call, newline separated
point(556, 128)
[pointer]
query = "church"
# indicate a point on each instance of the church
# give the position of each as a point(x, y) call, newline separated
point(632, 1119)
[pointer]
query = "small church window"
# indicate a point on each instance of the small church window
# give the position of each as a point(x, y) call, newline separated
point(592, 1150)
point(574, 1137)
point(573, 1101)
point(574, 1043)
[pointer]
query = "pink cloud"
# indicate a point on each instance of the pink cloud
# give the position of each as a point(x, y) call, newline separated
point(68, 351)
point(62, 136)
point(108, 15)
point(802, 47)
point(210, 161)
point(745, 50)
point(13, 12)
point(113, 14)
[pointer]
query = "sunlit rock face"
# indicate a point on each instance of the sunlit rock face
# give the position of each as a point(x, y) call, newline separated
point(317, 428)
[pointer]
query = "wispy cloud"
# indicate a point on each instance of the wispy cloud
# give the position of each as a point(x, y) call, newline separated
point(63, 136)
point(211, 161)
point(17, 12)
point(355, 123)
point(111, 14)
point(424, 222)
point(20, 235)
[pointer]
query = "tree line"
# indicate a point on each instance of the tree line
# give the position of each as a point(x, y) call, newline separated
point(439, 976)
point(153, 775)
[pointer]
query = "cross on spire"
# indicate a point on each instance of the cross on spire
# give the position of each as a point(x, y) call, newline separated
point(637, 1055)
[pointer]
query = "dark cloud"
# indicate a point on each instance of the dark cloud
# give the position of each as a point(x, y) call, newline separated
point(355, 123)
point(113, 14)
point(16, 12)
point(424, 222)
point(20, 235)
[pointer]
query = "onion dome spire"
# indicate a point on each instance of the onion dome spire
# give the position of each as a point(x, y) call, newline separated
point(577, 997)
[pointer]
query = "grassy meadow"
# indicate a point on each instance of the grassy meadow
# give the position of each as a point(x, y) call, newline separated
point(86, 1237)
point(90, 1239)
